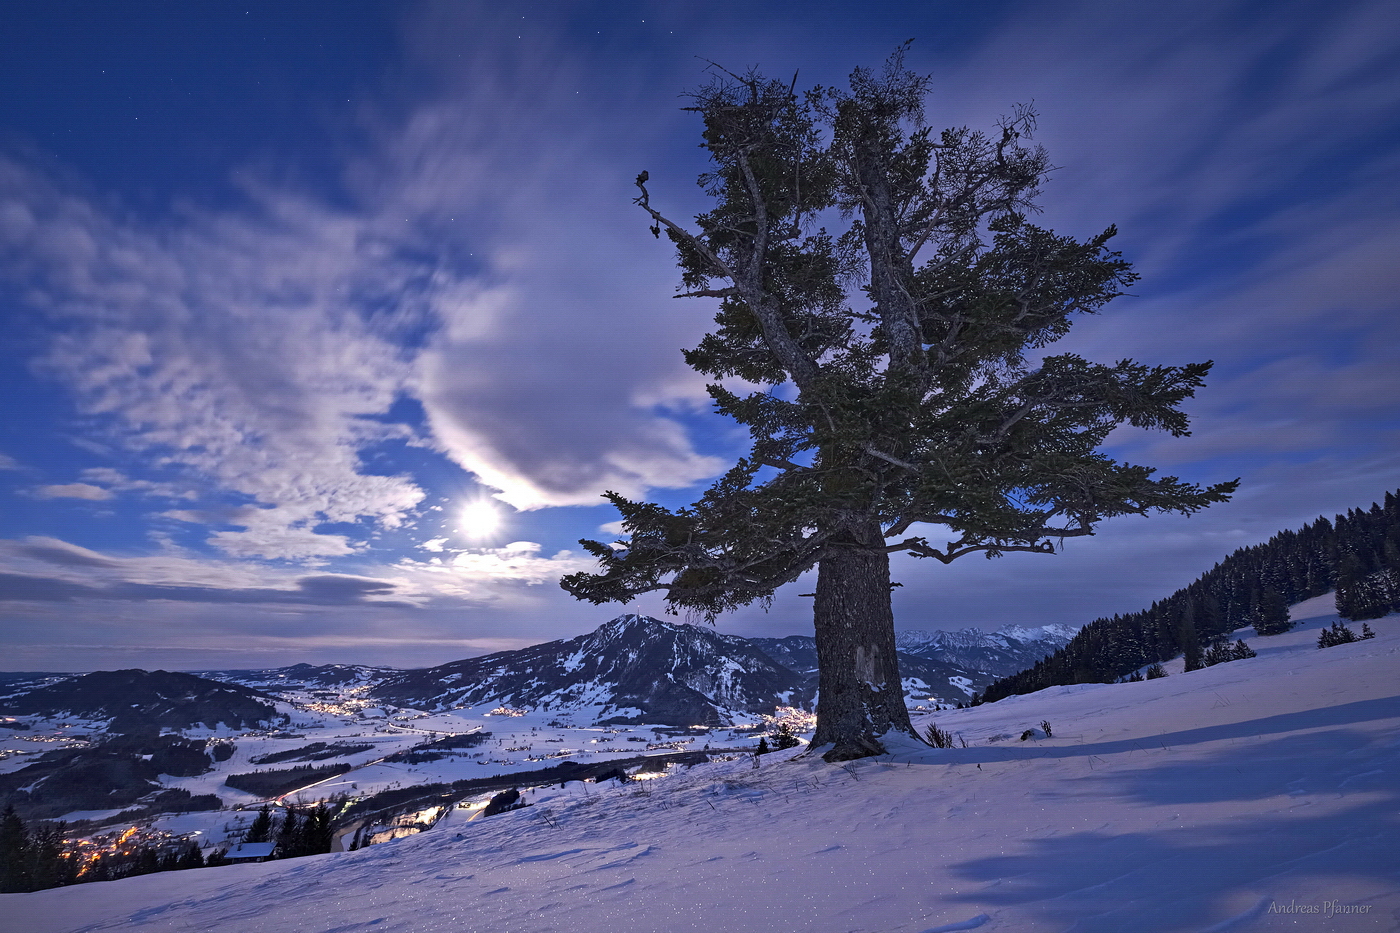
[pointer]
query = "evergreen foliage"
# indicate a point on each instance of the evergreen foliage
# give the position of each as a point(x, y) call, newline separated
point(32, 857)
point(307, 832)
point(1156, 672)
point(1358, 554)
point(1189, 640)
point(1270, 614)
point(1223, 652)
point(900, 371)
point(783, 738)
point(261, 830)
point(14, 853)
point(284, 781)
point(1339, 634)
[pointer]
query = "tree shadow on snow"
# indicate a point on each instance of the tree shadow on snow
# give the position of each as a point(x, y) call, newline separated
point(1255, 729)
point(1187, 877)
point(1336, 762)
point(1189, 874)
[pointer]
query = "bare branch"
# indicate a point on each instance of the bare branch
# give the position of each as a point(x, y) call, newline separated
point(644, 202)
point(710, 293)
point(881, 455)
point(781, 464)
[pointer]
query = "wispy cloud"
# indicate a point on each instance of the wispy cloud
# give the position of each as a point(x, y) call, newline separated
point(50, 569)
point(74, 491)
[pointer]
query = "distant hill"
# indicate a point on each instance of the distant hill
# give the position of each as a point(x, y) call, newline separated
point(302, 676)
point(136, 700)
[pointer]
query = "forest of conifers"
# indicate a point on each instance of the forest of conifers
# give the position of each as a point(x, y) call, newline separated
point(1357, 554)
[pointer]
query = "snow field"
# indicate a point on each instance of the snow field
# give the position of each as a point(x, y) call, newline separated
point(1205, 801)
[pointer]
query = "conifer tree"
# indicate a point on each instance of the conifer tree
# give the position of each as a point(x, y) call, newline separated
point(15, 873)
point(784, 739)
point(1188, 639)
point(1337, 634)
point(1242, 651)
point(192, 857)
point(897, 392)
point(49, 864)
point(261, 830)
point(1271, 614)
point(288, 834)
point(1361, 593)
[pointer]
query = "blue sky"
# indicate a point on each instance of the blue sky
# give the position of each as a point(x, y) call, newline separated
point(287, 296)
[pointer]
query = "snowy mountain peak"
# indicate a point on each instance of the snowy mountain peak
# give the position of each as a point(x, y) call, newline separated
point(631, 669)
point(1000, 653)
point(628, 623)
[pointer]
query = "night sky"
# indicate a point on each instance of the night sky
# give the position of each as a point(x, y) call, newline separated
point(323, 330)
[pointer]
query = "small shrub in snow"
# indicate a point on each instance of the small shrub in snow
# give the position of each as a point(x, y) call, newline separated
point(1339, 634)
point(937, 737)
point(1156, 672)
point(1218, 654)
point(1223, 652)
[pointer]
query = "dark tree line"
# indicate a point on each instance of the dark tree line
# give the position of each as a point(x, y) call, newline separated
point(34, 857)
point(284, 781)
point(1357, 554)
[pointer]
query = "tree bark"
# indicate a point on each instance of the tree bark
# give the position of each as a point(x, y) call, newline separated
point(861, 695)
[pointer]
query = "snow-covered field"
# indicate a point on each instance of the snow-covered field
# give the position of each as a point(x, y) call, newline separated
point(521, 740)
point(1242, 797)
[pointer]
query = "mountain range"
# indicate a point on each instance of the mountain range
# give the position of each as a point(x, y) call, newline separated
point(637, 669)
point(633, 669)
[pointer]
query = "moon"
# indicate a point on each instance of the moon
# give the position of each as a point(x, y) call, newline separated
point(479, 519)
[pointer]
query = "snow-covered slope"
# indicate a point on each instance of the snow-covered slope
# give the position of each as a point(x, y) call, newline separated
point(1239, 797)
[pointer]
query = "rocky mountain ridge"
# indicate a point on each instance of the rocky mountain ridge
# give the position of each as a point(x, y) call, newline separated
point(637, 669)
point(1000, 653)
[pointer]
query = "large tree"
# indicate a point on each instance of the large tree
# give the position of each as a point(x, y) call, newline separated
point(889, 373)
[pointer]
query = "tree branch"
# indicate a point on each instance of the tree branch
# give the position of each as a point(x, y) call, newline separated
point(881, 455)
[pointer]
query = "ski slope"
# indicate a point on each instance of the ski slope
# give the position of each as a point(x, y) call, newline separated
point(1240, 797)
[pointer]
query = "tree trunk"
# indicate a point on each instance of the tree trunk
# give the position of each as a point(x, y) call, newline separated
point(861, 696)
